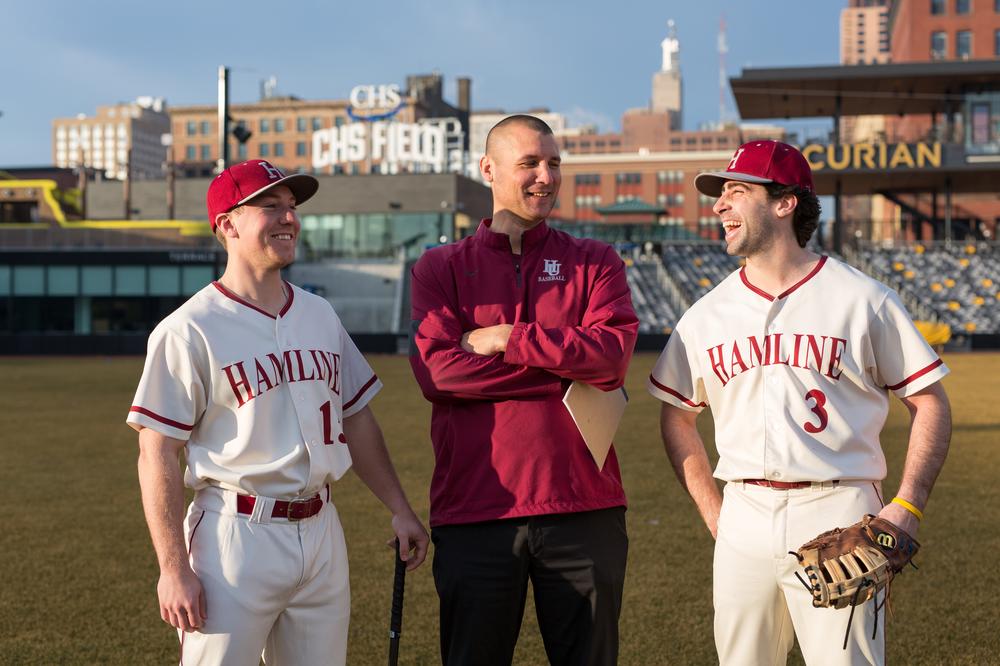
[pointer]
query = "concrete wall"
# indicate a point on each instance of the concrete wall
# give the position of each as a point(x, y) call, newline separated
point(364, 292)
point(403, 193)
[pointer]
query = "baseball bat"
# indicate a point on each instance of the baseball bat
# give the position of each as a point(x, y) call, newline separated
point(396, 616)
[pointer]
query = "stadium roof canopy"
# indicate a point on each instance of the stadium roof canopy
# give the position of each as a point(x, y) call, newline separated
point(890, 89)
point(852, 90)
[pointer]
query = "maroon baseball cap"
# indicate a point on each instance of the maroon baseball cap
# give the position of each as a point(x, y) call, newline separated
point(760, 162)
point(242, 182)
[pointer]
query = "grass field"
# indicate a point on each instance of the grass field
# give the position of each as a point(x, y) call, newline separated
point(78, 574)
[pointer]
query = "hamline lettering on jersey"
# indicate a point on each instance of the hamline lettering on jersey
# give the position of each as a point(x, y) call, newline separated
point(291, 367)
point(813, 356)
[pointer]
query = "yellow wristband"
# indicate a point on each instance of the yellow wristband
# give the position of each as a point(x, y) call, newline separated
point(909, 507)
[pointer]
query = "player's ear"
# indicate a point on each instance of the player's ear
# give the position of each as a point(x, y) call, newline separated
point(785, 206)
point(224, 223)
point(486, 168)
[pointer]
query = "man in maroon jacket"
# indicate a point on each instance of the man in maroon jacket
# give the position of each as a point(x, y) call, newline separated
point(503, 322)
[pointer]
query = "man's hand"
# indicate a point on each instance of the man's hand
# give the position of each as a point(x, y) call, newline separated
point(487, 341)
point(182, 599)
point(413, 539)
point(901, 518)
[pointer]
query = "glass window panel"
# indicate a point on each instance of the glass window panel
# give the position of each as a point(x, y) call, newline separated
point(130, 280)
point(963, 44)
point(164, 280)
point(29, 281)
point(96, 281)
point(4, 280)
point(193, 278)
point(939, 45)
point(63, 281)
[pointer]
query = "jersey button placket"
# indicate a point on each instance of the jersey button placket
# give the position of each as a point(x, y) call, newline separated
point(771, 397)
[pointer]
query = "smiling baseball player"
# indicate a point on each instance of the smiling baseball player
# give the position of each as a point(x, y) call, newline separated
point(796, 354)
point(260, 386)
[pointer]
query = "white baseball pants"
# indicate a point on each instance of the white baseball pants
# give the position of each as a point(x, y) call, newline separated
point(760, 606)
point(273, 587)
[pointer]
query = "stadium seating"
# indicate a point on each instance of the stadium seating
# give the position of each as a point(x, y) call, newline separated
point(958, 283)
point(650, 297)
point(697, 267)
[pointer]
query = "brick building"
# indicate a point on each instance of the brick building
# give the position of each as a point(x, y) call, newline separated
point(282, 129)
point(120, 141)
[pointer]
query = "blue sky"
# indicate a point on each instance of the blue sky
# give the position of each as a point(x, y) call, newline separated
point(590, 60)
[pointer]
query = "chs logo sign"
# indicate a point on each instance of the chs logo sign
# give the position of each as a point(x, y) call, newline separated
point(369, 102)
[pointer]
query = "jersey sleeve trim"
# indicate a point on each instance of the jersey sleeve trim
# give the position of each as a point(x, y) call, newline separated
point(674, 393)
point(162, 419)
point(916, 375)
point(368, 385)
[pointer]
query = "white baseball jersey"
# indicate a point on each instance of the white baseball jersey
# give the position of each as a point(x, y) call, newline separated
point(259, 399)
point(799, 383)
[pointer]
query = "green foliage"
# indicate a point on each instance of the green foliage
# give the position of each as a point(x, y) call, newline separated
point(70, 199)
point(78, 574)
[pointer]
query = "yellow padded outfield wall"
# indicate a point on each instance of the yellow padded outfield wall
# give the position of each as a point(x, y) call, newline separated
point(48, 187)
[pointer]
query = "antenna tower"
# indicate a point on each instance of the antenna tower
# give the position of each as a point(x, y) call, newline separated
point(723, 49)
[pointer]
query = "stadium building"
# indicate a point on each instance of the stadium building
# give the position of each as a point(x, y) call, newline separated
point(378, 128)
point(120, 142)
point(92, 268)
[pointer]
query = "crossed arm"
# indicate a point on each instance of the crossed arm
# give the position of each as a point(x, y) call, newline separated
point(522, 359)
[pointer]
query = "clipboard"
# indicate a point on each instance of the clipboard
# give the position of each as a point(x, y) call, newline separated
point(597, 414)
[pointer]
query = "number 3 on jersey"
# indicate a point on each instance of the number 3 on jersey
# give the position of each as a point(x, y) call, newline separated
point(326, 409)
point(820, 399)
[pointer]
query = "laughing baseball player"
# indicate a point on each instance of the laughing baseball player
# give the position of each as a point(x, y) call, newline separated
point(796, 354)
point(260, 386)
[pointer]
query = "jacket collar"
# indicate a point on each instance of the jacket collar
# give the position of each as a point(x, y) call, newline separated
point(532, 237)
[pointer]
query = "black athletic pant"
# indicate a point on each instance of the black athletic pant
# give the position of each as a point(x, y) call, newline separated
point(576, 564)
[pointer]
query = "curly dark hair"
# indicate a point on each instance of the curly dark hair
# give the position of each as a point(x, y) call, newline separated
point(807, 211)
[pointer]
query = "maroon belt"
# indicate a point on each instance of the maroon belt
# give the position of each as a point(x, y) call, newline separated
point(782, 485)
point(288, 509)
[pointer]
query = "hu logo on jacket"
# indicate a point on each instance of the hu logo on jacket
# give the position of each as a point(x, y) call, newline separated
point(551, 269)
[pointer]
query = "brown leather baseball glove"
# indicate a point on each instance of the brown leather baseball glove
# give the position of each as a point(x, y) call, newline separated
point(848, 566)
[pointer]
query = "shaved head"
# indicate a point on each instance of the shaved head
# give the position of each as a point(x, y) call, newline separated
point(519, 120)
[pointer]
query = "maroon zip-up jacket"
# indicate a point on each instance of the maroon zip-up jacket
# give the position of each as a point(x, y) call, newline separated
point(504, 444)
